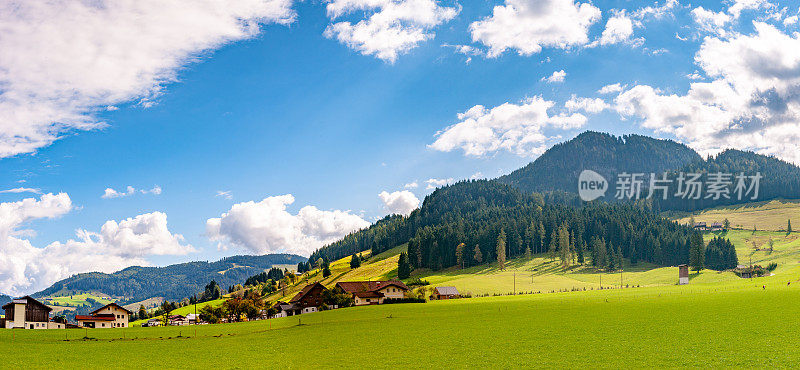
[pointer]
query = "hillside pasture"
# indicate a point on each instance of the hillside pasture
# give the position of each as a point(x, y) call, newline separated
point(697, 325)
point(770, 215)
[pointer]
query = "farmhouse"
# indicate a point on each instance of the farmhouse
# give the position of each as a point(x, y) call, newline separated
point(445, 292)
point(111, 315)
point(285, 309)
point(373, 292)
point(716, 226)
point(177, 320)
point(702, 226)
point(309, 298)
point(28, 313)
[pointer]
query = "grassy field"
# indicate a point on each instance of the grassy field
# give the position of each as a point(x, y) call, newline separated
point(76, 300)
point(772, 215)
point(734, 323)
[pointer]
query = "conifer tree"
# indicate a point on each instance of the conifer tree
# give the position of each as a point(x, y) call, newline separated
point(460, 255)
point(696, 252)
point(501, 250)
point(355, 262)
point(478, 255)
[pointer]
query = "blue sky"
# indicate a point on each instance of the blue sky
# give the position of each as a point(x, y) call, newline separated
point(258, 102)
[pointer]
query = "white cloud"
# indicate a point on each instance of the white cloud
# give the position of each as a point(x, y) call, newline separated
point(411, 185)
point(656, 12)
point(63, 61)
point(477, 176)
point(391, 27)
point(267, 227)
point(710, 21)
point(556, 77)
point(437, 183)
point(587, 105)
point(399, 202)
point(224, 194)
point(22, 190)
point(753, 101)
point(528, 25)
point(25, 269)
point(619, 28)
point(611, 89)
point(517, 128)
point(110, 193)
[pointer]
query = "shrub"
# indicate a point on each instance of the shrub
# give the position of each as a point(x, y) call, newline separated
point(417, 282)
point(403, 300)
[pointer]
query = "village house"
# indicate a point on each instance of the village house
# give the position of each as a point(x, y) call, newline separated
point(177, 320)
point(445, 292)
point(285, 309)
point(111, 315)
point(716, 226)
point(702, 226)
point(309, 299)
point(28, 313)
point(152, 323)
point(373, 292)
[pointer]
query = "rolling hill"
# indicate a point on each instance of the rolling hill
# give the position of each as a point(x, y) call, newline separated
point(172, 282)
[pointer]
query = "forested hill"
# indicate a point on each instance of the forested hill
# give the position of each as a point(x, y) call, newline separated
point(172, 282)
point(4, 299)
point(558, 168)
point(476, 213)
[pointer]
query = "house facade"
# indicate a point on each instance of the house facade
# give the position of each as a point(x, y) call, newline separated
point(373, 292)
point(683, 274)
point(309, 298)
point(445, 292)
point(28, 313)
point(111, 315)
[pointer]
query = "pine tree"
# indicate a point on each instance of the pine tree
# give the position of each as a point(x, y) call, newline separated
point(541, 235)
point(528, 253)
point(789, 226)
point(696, 252)
point(355, 262)
point(726, 224)
point(553, 245)
point(599, 255)
point(460, 255)
point(564, 247)
point(403, 266)
point(579, 248)
point(478, 255)
point(501, 250)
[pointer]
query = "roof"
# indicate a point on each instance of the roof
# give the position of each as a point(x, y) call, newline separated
point(101, 317)
point(109, 305)
point(716, 224)
point(27, 300)
point(305, 291)
point(446, 290)
point(367, 286)
point(370, 294)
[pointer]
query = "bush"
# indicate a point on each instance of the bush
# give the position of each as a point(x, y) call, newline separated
point(417, 282)
point(772, 266)
point(403, 300)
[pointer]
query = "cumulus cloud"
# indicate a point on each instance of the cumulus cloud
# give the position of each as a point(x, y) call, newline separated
point(611, 89)
point(528, 25)
point(399, 202)
point(437, 183)
point(64, 61)
point(619, 28)
point(25, 269)
point(516, 128)
point(587, 105)
point(411, 185)
point(556, 77)
point(390, 27)
point(110, 193)
point(267, 227)
point(752, 102)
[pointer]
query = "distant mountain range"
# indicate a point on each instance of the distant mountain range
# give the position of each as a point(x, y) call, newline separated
point(4, 299)
point(559, 167)
point(173, 282)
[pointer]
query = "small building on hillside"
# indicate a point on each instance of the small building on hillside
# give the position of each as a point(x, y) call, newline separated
point(111, 315)
point(284, 309)
point(445, 292)
point(716, 226)
point(28, 313)
point(702, 226)
point(373, 292)
point(309, 298)
point(152, 323)
point(683, 274)
point(177, 320)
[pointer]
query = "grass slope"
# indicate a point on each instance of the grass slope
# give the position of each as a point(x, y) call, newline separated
point(771, 215)
point(76, 300)
point(698, 325)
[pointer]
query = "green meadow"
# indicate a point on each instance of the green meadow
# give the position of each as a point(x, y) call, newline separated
point(736, 323)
